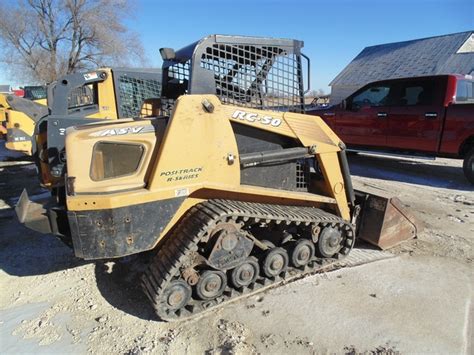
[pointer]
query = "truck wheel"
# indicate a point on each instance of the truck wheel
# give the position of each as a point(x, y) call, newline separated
point(468, 166)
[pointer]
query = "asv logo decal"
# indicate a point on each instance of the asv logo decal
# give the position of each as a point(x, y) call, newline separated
point(117, 131)
point(253, 117)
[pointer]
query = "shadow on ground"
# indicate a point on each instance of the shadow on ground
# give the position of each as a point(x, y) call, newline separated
point(15, 178)
point(418, 172)
point(24, 252)
point(119, 284)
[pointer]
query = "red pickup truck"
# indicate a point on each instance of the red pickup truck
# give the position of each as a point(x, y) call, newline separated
point(428, 116)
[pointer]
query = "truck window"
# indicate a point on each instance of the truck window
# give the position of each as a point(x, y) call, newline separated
point(416, 93)
point(372, 96)
point(465, 92)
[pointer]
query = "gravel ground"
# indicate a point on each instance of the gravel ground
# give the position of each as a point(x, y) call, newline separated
point(419, 300)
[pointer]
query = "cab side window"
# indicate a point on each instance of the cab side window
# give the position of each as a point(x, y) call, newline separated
point(83, 96)
point(416, 93)
point(378, 95)
point(465, 92)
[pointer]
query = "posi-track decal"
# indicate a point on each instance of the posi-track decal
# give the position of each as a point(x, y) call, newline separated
point(181, 174)
point(254, 117)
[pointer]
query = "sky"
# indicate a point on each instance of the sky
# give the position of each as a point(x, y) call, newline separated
point(333, 31)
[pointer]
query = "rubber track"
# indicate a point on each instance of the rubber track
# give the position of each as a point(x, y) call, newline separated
point(165, 265)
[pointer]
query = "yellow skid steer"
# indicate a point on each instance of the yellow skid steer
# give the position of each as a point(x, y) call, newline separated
point(229, 189)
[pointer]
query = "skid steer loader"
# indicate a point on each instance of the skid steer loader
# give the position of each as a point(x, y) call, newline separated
point(230, 189)
point(18, 117)
point(79, 98)
point(32, 93)
point(106, 93)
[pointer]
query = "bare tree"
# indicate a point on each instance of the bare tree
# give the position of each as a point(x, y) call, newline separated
point(44, 39)
point(316, 93)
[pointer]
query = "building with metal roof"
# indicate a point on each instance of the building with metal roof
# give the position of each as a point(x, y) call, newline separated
point(5, 89)
point(447, 54)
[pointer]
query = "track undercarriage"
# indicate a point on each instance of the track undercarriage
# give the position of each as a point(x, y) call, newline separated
point(224, 249)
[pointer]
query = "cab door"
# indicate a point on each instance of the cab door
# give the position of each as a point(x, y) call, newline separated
point(415, 122)
point(364, 121)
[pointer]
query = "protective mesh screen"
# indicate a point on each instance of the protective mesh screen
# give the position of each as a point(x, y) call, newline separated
point(177, 80)
point(132, 93)
point(302, 172)
point(263, 77)
point(179, 72)
point(35, 92)
point(83, 96)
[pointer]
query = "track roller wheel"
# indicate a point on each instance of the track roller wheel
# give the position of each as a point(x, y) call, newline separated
point(211, 284)
point(302, 252)
point(275, 262)
point(330, 242)
point(245, 273)
point(176, 295)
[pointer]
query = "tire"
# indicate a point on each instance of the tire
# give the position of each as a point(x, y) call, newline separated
point(468, 165)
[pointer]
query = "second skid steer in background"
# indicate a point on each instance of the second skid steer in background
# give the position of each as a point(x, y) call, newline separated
point(106, 93)
point(79, 98)
point(18, 117)
point(230, 189)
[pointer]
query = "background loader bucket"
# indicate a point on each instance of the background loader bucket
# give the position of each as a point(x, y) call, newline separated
point(385, 221)
point(33, 215)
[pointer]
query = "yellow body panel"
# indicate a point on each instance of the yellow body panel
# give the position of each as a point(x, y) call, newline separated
point(3, 118)
point(106, 97)
point(19, 120)
point(16, 120)
point(43, 102)
point(196, 156)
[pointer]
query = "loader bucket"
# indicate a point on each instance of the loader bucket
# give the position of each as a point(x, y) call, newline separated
point(33, 215)
point(43, 215)
point(385, 221)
